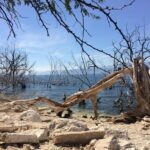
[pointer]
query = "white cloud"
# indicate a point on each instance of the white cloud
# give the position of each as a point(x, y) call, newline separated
point(39, 41)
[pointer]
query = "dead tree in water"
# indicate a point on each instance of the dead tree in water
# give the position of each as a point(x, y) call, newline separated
point(90, 93)
point(141, 80)
point(14, 68)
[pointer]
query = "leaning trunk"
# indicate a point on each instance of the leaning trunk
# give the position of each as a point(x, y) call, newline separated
point(141, 81)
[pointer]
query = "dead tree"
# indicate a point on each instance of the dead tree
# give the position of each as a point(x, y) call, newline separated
point(14, 67)
point(141, 81)
point(90, 93)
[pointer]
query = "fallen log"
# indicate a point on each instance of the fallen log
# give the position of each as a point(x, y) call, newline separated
point(90, 93)
point(141, 81)
point(73, 138)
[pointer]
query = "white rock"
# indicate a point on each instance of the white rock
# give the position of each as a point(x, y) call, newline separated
point(125, 144)
point(20, 138)
point(83, 137)
point(94, 128)
point(92, 142)
point(7, 128)
point(110, 143)
point(24, 125)
point(146, 119)
point(30, 115)
point(41, 134)
point(12, 148)
point(28, 147)
point(52, 147)
point(4, 117)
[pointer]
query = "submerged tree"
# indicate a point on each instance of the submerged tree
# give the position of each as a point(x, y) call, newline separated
point(14, 68)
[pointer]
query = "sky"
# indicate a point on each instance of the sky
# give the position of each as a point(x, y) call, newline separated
point(33, 39)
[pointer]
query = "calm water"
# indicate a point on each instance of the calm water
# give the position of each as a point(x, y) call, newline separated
point(56, 92)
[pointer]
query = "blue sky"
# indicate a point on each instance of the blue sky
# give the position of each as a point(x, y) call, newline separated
point(33, 39)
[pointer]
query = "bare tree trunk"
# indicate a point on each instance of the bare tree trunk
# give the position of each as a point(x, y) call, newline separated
point(75, 98)
point(141, 81)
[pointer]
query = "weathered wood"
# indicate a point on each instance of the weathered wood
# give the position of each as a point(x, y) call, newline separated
point(80, 96)
point(141, 81)
point(83, 137)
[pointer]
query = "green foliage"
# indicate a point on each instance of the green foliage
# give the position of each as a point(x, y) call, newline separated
point(67, 5)
point(76, 5)
point(85, 11)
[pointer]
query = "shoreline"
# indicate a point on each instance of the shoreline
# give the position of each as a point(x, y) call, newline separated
point(46, 128)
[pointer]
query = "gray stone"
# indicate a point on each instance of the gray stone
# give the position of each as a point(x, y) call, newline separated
point(30, 115)
point(18, 108)
point(114, 144)
point(58, 123)
point(117, 134)
point(78, 124)
point(69, 125)
point(73, 128)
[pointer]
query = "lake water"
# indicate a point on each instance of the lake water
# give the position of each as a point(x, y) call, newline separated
point(56, 92)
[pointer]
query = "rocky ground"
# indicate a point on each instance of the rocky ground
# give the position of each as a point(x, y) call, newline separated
point(41, 129)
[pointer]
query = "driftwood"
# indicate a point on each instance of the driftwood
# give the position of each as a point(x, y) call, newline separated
point(90, 93)
point(83, 137)
point(141, 81)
